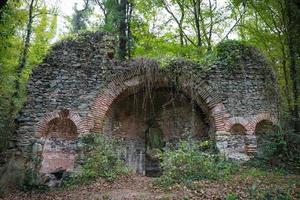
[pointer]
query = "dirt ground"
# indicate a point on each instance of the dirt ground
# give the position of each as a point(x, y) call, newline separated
point(134, 187)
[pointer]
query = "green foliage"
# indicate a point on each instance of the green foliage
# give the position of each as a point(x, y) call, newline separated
point(102, 160)
point(269, 194)
point(10, 44)
point(30, 182)
point(186, 164)
point(80, 18)
point(207, 146)
point(113, 16)
point(253, 172)
point(12, 28)
point(232, 196)
point(278, 148)
point(44, 32)
point(161, 47)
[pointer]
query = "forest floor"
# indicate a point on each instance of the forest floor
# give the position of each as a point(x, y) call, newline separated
point(250, 184)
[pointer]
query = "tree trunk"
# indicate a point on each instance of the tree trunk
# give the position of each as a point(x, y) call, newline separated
point(293, 43)
point(129, 33)
point(197, 21)
point(24, 53)
point(122, 29)
point(182, 13)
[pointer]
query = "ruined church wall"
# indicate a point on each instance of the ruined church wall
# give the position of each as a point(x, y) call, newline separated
point(76, 71)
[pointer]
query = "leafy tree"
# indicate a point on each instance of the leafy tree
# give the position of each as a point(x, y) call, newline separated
point(79, 20)
point(23, 33)
point(2, 4)
point(272, 26)
point(11, 21)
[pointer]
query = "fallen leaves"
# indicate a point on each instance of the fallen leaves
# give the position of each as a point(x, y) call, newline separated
point(133, 187)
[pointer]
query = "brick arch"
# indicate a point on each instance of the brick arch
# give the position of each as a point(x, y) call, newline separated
point(261, 117)
point(41, 127)
point(237, 120)
point(133, 79)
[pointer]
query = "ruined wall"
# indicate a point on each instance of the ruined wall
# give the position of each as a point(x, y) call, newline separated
point(81, 82)
point(70, 77)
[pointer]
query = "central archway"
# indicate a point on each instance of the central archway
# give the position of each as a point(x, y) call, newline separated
point(149, 122)
point(139, 103)
point(132, 81)
point(174, 112)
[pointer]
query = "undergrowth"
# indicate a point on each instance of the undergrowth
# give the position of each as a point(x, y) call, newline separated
point(187, 163)
point(277, 151)
point(102, 160)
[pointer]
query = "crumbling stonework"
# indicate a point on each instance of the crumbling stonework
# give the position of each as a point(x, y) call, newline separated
point(80, 89)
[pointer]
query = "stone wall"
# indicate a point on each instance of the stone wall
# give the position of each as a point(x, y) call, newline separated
point(69, 78)
point(81, 82)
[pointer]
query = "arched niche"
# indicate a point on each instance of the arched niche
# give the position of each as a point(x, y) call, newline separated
point(59, 131)
point(264, 127)
point(238, 129)
point(237, 138)
point(264, 132)
point(64, 124)
point(135, 80)
point(61, 127)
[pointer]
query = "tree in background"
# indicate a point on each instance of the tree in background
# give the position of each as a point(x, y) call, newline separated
point(80, 18)
point(25, 27)
point(273, 27)
point(117, 20)
point(2, 4)
point(293, 43)
point(12, 20)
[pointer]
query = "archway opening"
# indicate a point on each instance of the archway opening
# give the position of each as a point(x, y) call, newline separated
point(148, 122)
point(264, 132)
point(237, 140)
point(59, 146)
point(61, 127)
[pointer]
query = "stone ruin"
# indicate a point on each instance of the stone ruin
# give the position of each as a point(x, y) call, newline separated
point(81, 89)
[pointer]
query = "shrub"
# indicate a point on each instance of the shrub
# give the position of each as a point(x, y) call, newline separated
point(278, 148)
point(102, 160)
point(186, 164)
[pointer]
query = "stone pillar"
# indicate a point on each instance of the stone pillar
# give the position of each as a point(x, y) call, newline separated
point(251, 144)
point(223, 140)
point(134, 155)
